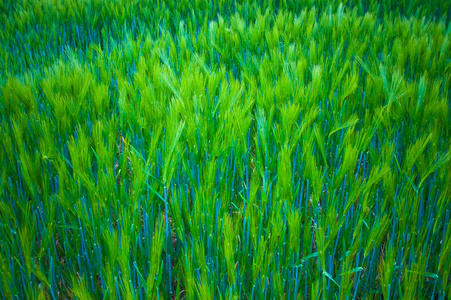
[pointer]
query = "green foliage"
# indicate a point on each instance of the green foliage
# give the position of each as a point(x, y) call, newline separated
point(225, 149)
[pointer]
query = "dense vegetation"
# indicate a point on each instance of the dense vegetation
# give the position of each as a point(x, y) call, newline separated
point(225, 150)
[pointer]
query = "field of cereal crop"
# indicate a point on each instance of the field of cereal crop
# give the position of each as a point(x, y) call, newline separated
point(225, 149)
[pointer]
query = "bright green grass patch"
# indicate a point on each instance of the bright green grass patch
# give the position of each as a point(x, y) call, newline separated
point(203, 150)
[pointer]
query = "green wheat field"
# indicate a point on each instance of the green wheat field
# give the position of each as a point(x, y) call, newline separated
point(225, 149)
